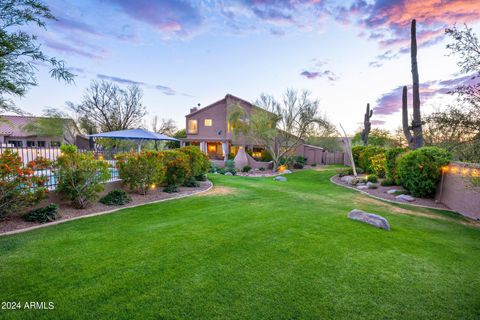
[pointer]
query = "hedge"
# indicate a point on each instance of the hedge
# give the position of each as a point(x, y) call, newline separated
point(392, 156)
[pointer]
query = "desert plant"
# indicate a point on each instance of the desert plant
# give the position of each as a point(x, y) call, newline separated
point(419, 171)
point(177, 168)
point(80, 176)
point(246, 168)
point(141, 171)
point(366, 125)
point(391, 158)
point(20, 188)
point(116, 197)
point(42, 215)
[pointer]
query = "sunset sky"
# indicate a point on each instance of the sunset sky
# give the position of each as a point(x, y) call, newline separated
point(187, 52)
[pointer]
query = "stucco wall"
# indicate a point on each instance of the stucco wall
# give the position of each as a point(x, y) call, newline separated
point(217, 113)
point(456, 190)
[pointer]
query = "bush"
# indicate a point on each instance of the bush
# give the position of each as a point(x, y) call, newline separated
point(266, 156)
point(366, 156)
point(191, 182)
point(20, 188)
point(262, 169)
point(391, 158)
point(177, 168)
point(116, 197)
point(419, 171)
point(314, 164)
point(80, 176)
point(213, 168)
point(230, 167)
point(140, 171)
point(388, 182)
point(348, 171)
point(372, 178)
point(170, 189)
point(198, 161)
point(42, 215)
point(246, 168)
point(378, 164)
point(356, 151)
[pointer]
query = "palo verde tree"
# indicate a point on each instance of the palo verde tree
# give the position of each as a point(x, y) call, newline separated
point(367, 126)
point(19, 50)
point(413, 132)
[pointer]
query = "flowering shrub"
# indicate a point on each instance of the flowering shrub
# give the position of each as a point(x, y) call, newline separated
point(141, 171)
point(177, 169)
point(419, 171)
point(80, 176)
point(378, 162)
point(391, 158)
point(198, 162)
point(20, 187)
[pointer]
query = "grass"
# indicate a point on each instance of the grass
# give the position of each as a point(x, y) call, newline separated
point(251, 248)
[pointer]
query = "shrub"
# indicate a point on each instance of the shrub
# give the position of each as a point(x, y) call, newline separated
point(170, 189)
point(419, 171)
point(262, 169)
point(372, 178)
point(378, 164)
point(80, 176)
point(140, 171)
point(391, 158)
point(356, 151)
point(348, 171)
point(191, 182)
point(387, 182)
point(230, 167)
point(20, 188)
point(42, 215)
point(266, 156)
point(314, 164)
point(198, 161)
point(299, 162)
point(246, 168)
point(177, 168)
point(366, 156)
point(213, 168)
point(116, 197)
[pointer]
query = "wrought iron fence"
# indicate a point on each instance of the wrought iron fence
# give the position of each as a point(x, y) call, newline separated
point(28, 154)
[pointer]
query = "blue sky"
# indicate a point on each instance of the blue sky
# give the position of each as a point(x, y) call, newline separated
point(187, 52)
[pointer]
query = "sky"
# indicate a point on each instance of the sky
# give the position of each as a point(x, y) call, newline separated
point(181, 53)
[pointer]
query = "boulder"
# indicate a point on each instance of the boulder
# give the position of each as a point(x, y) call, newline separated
point(228, 173)
point(349, 180)
point(371, 185)
point(405, 197)
point(286, 171)
point(280, 178)
point(370, 218)
point(392, 191)
point(362, 187)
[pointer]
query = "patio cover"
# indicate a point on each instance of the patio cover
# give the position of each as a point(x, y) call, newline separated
point(133, 134)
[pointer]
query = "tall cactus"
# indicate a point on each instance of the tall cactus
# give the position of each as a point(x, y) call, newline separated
point(366, 124)
point(416, 127)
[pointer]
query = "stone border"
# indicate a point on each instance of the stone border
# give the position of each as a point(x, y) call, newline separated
point(53, 223)
point(390, 201)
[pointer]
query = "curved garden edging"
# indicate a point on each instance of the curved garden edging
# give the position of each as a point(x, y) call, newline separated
point(388, 200)
point(49, 224)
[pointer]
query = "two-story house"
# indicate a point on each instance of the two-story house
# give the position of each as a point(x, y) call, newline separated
point(209, 128)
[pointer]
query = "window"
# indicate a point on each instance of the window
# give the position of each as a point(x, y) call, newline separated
point(192, 126)
point(16, 143)
point(55, 143)
point(208, 122)
point(30, 143)
point(41, 144)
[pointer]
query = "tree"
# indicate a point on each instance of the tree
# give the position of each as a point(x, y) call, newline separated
point(280, 126)
point(54, 123)
point(326, 136)
point(19, 51)
point(182, 133)
point(163, 126)
point(377, 138)
point(109, 108)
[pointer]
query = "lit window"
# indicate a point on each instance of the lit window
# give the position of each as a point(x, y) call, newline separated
point(208, 122)
point(192, 126)
point(212, 147)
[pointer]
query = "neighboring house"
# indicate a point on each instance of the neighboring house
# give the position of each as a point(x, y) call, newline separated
point(13, 133)
point(209, 128)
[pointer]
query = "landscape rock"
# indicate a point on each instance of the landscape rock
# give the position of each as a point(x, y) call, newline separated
point(228, 174)
point(392, 191)
point(349, 180)
point(287, 171)
point(362, 187)
point(280, 178)
point(370, 218)
point(371, 185)
point(405, 197)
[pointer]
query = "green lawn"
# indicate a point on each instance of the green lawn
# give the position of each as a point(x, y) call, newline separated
point(253, 249)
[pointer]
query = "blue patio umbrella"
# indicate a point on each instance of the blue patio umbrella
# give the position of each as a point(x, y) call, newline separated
point(134, 134)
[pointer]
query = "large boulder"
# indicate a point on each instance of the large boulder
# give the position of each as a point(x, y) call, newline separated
point(349, 180)
point(370, 218)
point(228, 173)
point(280, 178)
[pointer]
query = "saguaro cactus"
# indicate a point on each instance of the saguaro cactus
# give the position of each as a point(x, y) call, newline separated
point(416, 127)
point(366, 124)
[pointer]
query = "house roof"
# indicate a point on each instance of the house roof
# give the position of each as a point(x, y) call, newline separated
point(11, 125)
point(218, 101)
